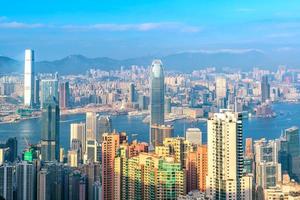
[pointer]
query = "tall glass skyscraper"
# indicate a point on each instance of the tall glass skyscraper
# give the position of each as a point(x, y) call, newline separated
point(157, 98)
point(50, 131)
point(49, 89)
point(157, 94)
point(29, 78)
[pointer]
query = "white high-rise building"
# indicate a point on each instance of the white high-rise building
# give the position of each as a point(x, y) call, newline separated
point(29, 78)
point(194, 136)
point(221, 87)
point(78, 132)
point(225, 155)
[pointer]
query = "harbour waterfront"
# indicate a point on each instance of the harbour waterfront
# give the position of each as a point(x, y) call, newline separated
point(287, 115)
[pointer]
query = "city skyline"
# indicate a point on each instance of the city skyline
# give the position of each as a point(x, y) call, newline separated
point(150, 100)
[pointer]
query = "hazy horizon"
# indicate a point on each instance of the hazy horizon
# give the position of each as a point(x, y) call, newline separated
point(121, 30)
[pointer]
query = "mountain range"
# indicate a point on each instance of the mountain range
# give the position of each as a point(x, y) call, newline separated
point(184, 62)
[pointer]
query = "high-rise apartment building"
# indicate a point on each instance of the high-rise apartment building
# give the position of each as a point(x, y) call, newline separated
point(50, 131)
point(153, 177)
point(157, 94)
point(110, 145)
point(29, 78)
point(249, 148)
point(202, 167)
point(225, 155)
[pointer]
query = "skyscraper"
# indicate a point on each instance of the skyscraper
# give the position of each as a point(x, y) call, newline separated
point(104, 125)
point(265, 89)
point(25, 179)
point(221, 87)
point(202, 167)
point(194, 136)
point(132, 93)
point(249, 148)
point(110, 146)
point(50, 131)
point(293, 148)
point(49, 89)
point(6, 181)
point(91, 125)
point(64, 95)
point(160, 132)
point(12, 145)
point(78, 132)
point(36, 92)
point(157, 94)
point(29, 78)
point(225, 155)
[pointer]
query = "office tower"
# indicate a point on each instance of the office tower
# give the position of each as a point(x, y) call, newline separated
point(29, 78)
point(110, 146)
point(104, 125)
point(49, 90)
point(247, 187)
point(267, 168)
point(202, 167)
point(7, 181)
point(157, 95)
point(143, 102)
point(3, 155)
point(293, 150)
point(132, 93)
point(221, 87)
point(25, 181)
point(91, 125)
point(36, 92)
point(265, 89)
point(78, 133)
point(168, 105)
point(50, 131)
point(92, 170)
point(249, 148)
point(194, 136)
point(159, 133)
point(248, 165)
point(12, 152)
point(61, 155)
point(268, 174)
point(225, 155)
point(64, 95)
point(43, 184)
point(92, 151)
point(73, 158)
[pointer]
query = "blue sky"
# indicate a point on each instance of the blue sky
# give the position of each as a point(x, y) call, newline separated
point(124, 29)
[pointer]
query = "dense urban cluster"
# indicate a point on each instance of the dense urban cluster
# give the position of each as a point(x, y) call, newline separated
point(102, 163)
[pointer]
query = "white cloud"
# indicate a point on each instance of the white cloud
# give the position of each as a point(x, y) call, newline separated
point(235, 51)
point(135, 27)
point(19, 25)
